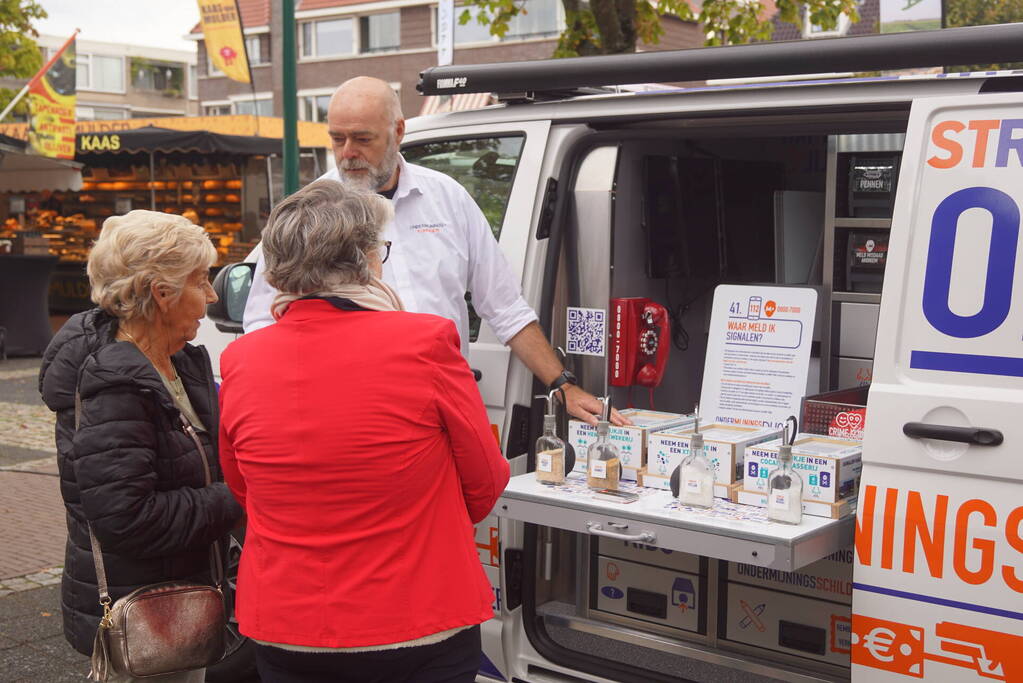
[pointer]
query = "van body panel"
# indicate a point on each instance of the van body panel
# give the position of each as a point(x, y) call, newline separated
point(938, 578)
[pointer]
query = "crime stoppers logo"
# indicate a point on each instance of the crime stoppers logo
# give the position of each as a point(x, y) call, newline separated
point(848, 424)
point(770, 308)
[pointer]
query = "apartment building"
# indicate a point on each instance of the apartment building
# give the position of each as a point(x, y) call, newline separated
point(390, 39)
point(124, 81)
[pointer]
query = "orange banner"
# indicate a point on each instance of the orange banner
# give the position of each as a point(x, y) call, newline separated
point(51, 101)
point(225, 44)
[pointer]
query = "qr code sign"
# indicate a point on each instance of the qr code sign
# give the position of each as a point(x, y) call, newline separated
point(587, 331)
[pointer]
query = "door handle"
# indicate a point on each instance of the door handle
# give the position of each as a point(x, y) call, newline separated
point(977, 436)
point(597, 529)
point(477, 374)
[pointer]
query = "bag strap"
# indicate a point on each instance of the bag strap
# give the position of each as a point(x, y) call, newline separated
point(216, 567)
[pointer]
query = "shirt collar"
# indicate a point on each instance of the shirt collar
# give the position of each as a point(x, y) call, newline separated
point(407, 182)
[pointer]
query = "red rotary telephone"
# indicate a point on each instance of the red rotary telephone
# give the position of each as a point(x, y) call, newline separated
point(641, 339)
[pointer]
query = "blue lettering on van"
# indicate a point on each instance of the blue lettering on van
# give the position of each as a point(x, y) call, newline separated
point(1001, 265)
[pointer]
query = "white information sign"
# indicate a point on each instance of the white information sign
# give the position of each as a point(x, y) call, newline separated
point(445, 32)
point(758, 354)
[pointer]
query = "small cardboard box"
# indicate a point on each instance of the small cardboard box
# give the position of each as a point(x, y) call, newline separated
point(843, 508)
point(830, 466)
point(723, 444)
point(631, 441)
point(841, 413)
point(656, 481)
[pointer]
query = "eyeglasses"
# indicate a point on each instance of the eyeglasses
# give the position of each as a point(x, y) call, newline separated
point(386, 247)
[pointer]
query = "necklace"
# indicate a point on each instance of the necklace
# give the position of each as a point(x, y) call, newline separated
point(175, 382)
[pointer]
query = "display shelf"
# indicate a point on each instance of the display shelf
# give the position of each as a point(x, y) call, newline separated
point(728, 531)
point(864, 223)
point(856, 297)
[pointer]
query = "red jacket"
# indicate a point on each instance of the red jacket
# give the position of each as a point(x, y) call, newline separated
point(359, 446)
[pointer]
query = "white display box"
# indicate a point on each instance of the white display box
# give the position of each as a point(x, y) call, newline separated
point(830, 466)
point(660, 596)
point(631, 441)
point(783, 622)
point(843, 508)
point(828, 579)
point(656, 481)
point(648, 554)
point(723, 444)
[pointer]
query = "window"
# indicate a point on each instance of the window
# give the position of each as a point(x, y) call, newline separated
point(193, 80)
point(217, 110)
point(811, 30)
point(380, 32)
point(314, 107)
point(98, 72)
point(471, 31)
point(328, 38)
point(538, 20)
point(155, 76)
point(485, 167)
point(259, 107)
point(82, 71)
point(253, 46)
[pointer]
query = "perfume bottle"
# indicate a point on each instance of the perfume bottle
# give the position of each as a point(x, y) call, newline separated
point(785, 486)
point(551, 455)
point(603, 468)
point(696, 473)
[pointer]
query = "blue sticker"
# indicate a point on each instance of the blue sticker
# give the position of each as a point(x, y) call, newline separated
point(612, 592)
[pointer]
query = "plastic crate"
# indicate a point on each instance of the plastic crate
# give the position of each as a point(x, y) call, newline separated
point(841, 413)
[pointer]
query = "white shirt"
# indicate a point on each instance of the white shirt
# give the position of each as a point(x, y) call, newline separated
point(441, 247)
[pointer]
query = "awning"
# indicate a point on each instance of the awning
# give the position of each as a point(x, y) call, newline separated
point(438, 104)
point(166, 141)
point(20, 172)
point(310, 134)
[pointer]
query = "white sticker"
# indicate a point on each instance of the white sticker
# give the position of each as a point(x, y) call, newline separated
point(693, 486)
point(598, 469)
point(587, 331)
point(544, 462)
point(779, 499)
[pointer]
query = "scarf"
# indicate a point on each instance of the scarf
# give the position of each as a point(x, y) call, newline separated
point(377, 295)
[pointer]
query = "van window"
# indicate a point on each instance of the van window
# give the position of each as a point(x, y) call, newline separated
point(485, 167)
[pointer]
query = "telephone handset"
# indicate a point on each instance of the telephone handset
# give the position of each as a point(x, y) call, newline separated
point(641, 339)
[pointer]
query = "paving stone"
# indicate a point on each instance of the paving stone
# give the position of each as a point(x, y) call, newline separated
point(36, 578)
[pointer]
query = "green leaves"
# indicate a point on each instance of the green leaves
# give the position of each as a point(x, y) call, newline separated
point(19, 54)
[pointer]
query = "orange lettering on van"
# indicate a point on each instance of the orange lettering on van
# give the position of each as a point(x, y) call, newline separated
point(983, 128)
point(954, 149)
point(1012, 534)
point(985, 546)
point(891, 501)
point(916, 527)
point(865, 525)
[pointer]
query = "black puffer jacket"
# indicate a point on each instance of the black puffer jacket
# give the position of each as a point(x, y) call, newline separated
point(130, 469)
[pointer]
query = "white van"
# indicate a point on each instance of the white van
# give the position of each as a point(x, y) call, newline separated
point(666, 195)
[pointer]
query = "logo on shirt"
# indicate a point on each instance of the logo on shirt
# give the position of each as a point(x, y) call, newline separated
point(428, 227)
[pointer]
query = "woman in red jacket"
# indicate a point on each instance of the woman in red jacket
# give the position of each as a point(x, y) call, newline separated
point(353, 434)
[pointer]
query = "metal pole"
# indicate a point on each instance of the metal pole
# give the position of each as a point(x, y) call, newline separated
point(289, 95)
point(152, 184)
point(10, 106)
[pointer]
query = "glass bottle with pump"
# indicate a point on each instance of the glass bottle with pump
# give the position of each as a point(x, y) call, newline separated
point(785, 485)
point(696, 474)
point(553, 460)
point(603, 467)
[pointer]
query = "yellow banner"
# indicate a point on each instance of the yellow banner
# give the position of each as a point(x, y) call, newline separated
point(225, 44)
point(51, 101)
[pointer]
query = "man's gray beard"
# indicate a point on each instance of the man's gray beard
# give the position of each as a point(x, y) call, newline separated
point(377, 176)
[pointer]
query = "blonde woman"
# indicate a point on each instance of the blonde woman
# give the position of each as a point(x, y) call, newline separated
point(130, 470)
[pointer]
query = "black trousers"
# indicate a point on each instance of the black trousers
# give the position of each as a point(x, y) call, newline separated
point(454, 660)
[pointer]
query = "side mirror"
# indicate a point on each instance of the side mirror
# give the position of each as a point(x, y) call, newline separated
point(232, 286)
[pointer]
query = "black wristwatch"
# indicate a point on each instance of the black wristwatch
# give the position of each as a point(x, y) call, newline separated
point(561, 380)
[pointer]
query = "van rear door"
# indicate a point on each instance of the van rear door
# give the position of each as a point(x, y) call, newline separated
point(938, 582)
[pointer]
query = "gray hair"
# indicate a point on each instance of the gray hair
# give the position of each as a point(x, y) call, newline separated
point(141, 249)
point(317, 239)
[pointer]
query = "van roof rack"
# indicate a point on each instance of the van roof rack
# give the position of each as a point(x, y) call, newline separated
point(558, 77)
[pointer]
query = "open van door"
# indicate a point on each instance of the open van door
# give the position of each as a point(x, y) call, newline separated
point(938, 582)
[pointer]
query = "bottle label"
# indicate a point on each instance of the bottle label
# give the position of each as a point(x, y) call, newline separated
point(779, 499)
point(598, 469)
point(693, 486)
point(544, 462)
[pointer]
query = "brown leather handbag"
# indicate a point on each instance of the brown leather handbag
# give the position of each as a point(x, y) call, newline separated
point(163, 628)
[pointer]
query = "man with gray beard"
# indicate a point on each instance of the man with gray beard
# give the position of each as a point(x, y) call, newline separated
point(441, 245)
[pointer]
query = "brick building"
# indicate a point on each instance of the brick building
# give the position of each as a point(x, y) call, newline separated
point(391, 39)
